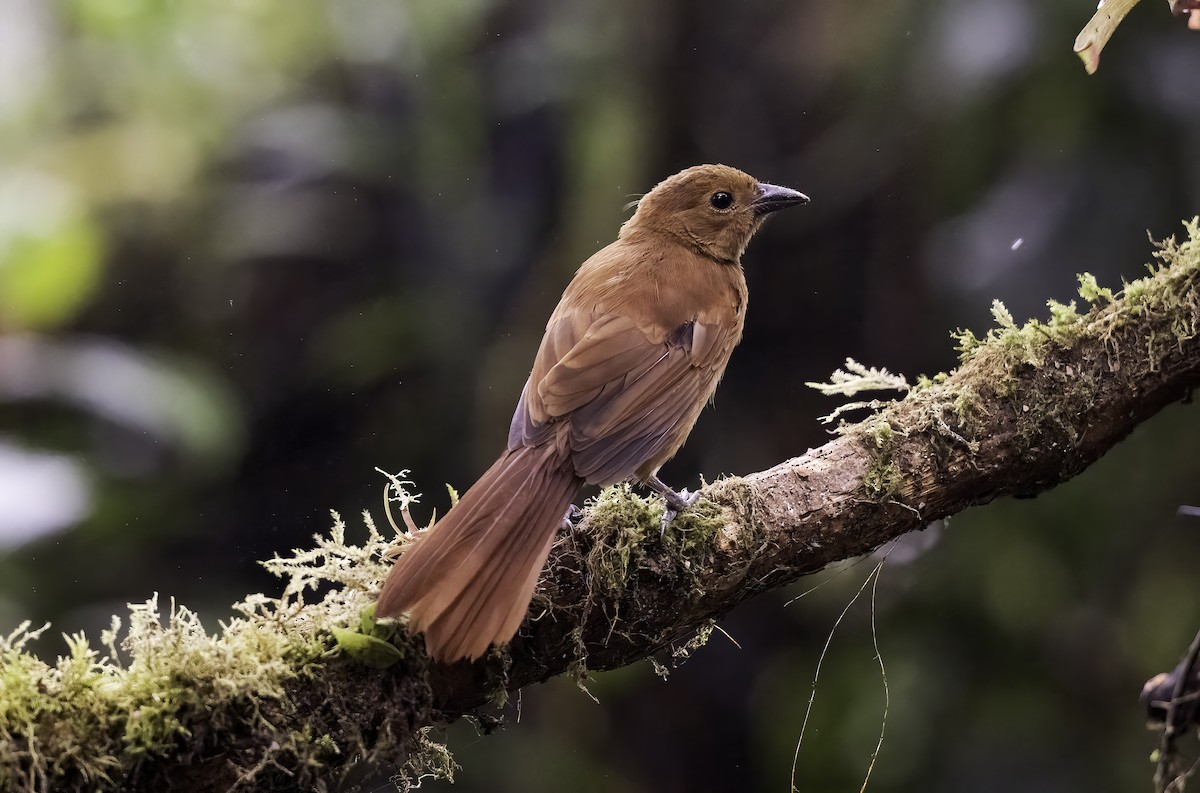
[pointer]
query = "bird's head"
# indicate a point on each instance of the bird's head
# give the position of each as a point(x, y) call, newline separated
point(713, 208)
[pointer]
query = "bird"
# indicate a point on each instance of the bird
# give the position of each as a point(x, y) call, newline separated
point(629, 359)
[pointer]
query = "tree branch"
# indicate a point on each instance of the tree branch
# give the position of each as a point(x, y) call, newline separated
point(1029, 407)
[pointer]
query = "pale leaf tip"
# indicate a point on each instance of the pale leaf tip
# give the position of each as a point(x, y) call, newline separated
point(1089, 53)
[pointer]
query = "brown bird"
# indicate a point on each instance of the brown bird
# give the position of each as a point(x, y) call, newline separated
point(630, 357)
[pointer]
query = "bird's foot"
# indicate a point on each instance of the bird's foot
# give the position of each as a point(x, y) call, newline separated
point(681, 501)
point(568, 520)
point(674, 501)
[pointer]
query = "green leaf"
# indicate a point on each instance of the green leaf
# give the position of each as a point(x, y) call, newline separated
point(367, 650)
point(366, 621)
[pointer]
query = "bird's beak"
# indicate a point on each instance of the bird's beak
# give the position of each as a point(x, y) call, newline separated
point(772, 198)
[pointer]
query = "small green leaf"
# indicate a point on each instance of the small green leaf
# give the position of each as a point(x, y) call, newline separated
point(366, 621)
point(367, 650)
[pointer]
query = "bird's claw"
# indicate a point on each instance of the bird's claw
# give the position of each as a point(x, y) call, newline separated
point(674, 503)
point(568, 519)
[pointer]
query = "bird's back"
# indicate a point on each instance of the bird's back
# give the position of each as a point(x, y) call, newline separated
point(631, 355)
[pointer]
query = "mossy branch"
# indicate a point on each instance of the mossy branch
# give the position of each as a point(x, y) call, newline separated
point(275, 701)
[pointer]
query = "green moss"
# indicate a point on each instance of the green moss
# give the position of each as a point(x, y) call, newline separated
point(881, 433)
point(882, 478)
point(682, 653)
point(965, 342)
point(1171, 289)
point(1066, 323)
point(925, 382)
point(693, 532)
point(1021, 344)
point(856, 378)
point(1168, 289)
point(1092, 292)
point(620, 520)
point(429, 759)
point(966, 406)
point(1048, 408)
point(91, 719)
point(624, 524)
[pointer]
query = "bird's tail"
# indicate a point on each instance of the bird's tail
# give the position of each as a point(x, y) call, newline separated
point(468, 580)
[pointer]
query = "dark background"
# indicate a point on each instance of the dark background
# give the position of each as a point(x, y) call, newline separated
point(248, 254)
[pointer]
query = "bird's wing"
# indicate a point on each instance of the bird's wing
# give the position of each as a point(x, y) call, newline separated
point(625, 392)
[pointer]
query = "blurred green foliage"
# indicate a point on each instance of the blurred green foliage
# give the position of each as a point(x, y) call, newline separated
point(47, 277)
point(249, 251)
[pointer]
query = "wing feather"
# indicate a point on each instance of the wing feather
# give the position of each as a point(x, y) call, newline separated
point(619, 399)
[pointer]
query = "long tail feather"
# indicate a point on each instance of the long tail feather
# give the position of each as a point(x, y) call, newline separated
point(467, 582)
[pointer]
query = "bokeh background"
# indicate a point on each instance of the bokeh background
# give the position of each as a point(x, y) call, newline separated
point(249, 251)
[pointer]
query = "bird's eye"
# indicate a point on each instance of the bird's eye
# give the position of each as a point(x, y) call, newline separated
point(721, 200)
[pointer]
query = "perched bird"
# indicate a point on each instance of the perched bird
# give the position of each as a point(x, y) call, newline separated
point(631, 355)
